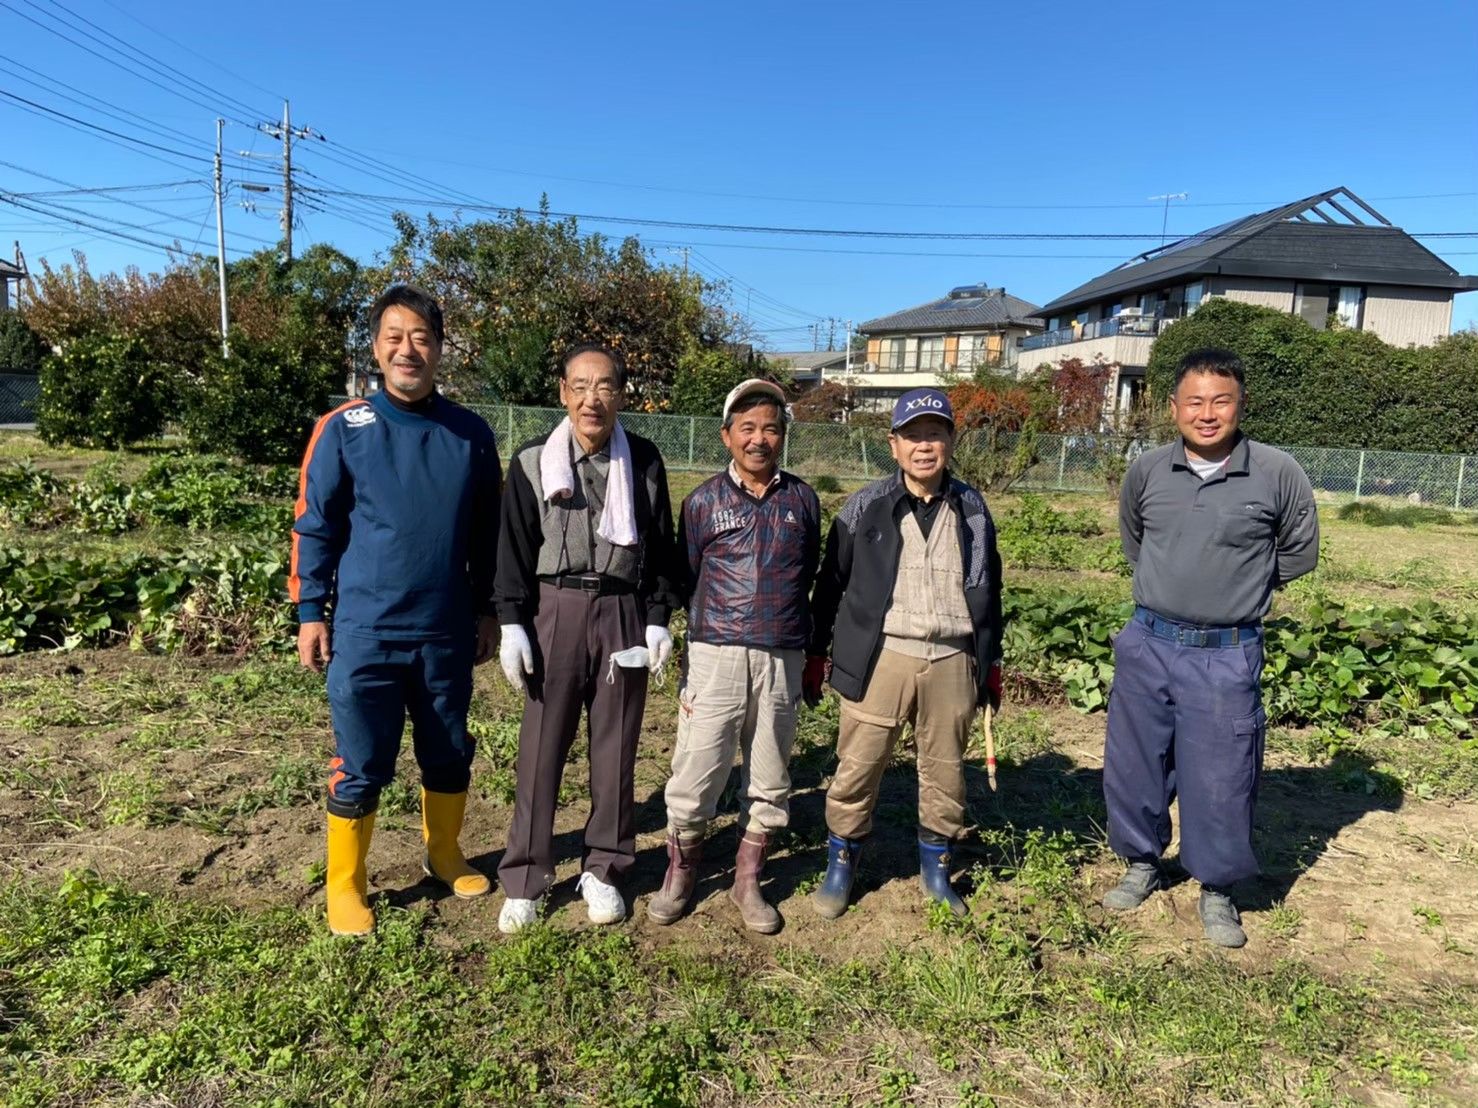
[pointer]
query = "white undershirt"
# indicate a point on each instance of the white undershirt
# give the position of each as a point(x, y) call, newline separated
point(1203, 469)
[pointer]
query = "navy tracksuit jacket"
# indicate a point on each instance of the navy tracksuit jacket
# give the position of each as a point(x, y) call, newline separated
point(395, 540)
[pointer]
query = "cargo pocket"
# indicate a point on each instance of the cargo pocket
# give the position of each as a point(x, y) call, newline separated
point(1251, 734)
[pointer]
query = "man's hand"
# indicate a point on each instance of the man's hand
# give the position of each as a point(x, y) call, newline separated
point(487, 635)
point(813, 677)
point(993, 686)
point(516, 656)
point(659, 647)
point(313, 649)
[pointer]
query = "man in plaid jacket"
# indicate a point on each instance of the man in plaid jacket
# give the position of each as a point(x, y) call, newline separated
point(750, 540)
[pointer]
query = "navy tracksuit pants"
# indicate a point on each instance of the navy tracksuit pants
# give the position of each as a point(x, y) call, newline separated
point(373, 684)
point(1185, 721)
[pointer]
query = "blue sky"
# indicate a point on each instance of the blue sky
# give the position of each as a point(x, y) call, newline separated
point(942, 118)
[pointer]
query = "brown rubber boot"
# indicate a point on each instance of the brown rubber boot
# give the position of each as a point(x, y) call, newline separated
point(757, 913)
point(671, 901)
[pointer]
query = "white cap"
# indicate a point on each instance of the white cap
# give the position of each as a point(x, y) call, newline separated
point(754, 386)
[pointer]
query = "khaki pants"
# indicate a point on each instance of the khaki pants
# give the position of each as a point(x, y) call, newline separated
point(938, 698)
point(734, 698)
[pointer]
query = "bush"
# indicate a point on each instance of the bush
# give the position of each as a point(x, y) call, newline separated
point(1407, 515)
point(261, 402)
point(1336, 388)
point(103, 391)
point(210, 493)
point(21, 349)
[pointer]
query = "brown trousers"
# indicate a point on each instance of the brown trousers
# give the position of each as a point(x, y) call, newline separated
point(938, 698)
point(575, 634)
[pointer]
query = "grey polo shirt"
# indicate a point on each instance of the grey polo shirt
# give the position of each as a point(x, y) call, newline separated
point(1210, 552)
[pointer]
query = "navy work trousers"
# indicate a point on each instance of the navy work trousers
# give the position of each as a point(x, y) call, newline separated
point(373, 684)
point(1185, 721)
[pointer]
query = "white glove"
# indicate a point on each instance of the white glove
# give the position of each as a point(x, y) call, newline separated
point(659, 647)
point(516, 655)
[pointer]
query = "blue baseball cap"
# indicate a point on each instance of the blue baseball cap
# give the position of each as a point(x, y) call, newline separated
point(922, 402)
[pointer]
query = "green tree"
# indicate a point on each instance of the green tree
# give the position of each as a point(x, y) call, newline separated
point(101, 390)
point(519, 290)
point(259, 403)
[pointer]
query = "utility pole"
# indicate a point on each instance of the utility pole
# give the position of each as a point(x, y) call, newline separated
point(1167, 197)
point(849, 348)
point(221, 244)
point(20, 285)
point(285, 131)
point(831, 333)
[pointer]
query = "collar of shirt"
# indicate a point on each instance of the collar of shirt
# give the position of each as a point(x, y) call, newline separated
point(901, 495)
point(739, 481)
point(1236, 462)
point(603, 452)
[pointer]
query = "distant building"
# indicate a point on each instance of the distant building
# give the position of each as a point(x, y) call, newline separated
point(807, 368)
point(9, 273)
point(1325, 258)
point(974, 326)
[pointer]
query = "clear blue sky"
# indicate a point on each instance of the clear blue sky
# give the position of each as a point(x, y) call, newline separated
point(895, 117)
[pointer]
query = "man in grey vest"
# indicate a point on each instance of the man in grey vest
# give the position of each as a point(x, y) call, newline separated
point(908, 605)
point(1212, 524)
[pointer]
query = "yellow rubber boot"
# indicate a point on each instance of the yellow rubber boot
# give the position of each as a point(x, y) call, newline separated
point(441, 823)
point(348, 882)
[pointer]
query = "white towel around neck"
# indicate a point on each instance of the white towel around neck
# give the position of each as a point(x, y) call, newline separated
point(557, 475)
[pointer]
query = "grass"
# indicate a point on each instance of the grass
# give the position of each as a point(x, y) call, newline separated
point(135, 988)
point(110, 993)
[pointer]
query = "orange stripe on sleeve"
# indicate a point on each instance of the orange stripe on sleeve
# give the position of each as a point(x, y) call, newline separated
point(294, 583)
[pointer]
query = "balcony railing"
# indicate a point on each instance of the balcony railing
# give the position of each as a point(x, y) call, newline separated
point(1145, 326)
point(922, 363)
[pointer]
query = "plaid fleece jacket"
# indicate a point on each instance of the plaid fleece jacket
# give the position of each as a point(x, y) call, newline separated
point(750, 562)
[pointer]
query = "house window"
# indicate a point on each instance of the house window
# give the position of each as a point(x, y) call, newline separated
point(1316, 304)
point(931, 353)
point(1195, 292)
point(893, 353)
point(972, 350)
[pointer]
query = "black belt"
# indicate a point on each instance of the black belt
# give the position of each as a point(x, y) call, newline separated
point(598, 583)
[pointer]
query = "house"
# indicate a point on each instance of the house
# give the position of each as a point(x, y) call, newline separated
point(9, 273)
point(1330, 257)
point(973, 326)
point(807, 368)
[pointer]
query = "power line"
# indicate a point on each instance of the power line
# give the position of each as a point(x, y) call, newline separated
point(104, 57)
point(51, 212)
point(176, 42)
point(829, 232)
point(157, 65)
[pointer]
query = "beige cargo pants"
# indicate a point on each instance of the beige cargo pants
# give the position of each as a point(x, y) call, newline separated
point(938, 698)
point(734, 699)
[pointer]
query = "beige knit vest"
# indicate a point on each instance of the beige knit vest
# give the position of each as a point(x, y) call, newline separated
point(928, 617)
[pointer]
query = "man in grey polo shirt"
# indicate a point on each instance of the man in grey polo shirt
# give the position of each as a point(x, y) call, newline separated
point(1212, 524)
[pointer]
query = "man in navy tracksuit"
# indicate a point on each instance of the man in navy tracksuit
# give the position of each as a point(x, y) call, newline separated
point(395, 542)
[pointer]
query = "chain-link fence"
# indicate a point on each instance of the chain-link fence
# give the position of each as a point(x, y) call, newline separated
point(18, 395)
point(1066, 463)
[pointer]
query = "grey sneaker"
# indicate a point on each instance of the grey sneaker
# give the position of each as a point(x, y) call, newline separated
point(1219, 918)
point(1134, 888)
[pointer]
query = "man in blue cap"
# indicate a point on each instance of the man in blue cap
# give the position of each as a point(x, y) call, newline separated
point(908, 605)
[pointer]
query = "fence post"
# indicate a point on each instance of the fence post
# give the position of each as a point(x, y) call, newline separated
point(511, 445)
point(1360, 475)
point(866, 470)
point(692, 433)
point(785, 449)
point(1061, 462)
point(1457, 501)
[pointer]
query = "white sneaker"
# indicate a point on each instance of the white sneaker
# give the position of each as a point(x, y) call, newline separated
point(518, 913)
point(603, 901)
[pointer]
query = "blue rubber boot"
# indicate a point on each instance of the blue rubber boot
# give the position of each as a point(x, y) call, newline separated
point(830, 899)
point(934, 876)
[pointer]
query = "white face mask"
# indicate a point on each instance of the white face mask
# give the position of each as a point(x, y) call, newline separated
point(633, 657)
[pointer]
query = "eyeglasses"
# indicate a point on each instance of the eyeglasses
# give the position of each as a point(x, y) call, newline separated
point(605, 391)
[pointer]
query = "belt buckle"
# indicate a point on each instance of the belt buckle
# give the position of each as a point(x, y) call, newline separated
point(589, 584)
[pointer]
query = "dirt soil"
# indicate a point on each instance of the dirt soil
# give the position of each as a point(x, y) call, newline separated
point(1354, 882)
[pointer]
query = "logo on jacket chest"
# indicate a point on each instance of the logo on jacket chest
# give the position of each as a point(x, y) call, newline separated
point(360, 417)
point(729, 519)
